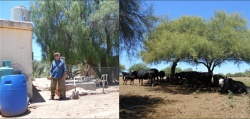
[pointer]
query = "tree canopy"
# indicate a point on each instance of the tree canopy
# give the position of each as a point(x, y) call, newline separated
point(122, 67)
point(246, 73)
point(135, 20)
point(139, 66)
point(196, 41)
point(167, 70)
point(83, 31)
point(40, 69)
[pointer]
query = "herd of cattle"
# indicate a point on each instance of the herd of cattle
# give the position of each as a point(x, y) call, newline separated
point(193, 79)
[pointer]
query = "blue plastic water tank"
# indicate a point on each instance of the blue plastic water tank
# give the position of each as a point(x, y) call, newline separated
point(13, 95)
point(6, 71)
point(6, 63)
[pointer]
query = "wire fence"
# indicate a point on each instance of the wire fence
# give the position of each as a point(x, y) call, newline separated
point(96, 72)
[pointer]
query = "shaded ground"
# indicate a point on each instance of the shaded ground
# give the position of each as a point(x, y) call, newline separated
point(93, 104)
point(137, 106)
point(171, 101)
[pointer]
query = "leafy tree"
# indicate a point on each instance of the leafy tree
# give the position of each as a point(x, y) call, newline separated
point(196, 41)
point(229, 75)
point(82, 31)
point(172, 41)
point(238, 74)
point(247, 73)
point(188, 69)
point(167, 70)
point(226, 35)
point(135, 19)
point(222, 74)
point(51, 28)
point(122, 67)
point(105, 27)
point(139, 66)
point(40, 69)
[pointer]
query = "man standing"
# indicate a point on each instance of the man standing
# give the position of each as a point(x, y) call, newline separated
point(57, 75)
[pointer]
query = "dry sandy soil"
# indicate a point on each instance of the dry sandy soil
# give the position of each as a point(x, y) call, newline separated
point(171, 101)
point(93, 105)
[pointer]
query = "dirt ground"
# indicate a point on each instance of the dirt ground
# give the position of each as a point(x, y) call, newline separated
point(171, 101)
point(93, 104)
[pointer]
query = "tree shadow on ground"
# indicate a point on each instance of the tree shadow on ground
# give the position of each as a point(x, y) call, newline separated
point(182, 89)
point(135, 106)
point(177, 89)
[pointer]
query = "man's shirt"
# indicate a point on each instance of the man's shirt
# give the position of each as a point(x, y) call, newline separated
point(57, 68)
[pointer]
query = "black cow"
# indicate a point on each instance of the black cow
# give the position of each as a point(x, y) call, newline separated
point(167, 78)
point(144, 74)
point(124, 74)
point(196, 79)
point(232, 85)
point(129, 77)
point(177, 78)
point(180, 78)
point(205, 79)
point(161, 75)
point(192, 78)
point(215, 81)
point(155, 74)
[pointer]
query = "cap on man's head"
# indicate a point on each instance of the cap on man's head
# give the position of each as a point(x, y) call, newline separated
point(57, 53)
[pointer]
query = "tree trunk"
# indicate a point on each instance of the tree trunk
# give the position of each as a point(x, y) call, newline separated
point(69, 71)
point(108, 49)
point(209, 70)
point(103, 60)
point(90, 62)
point(173, 70)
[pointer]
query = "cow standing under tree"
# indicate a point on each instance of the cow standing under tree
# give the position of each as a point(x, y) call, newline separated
point(144, 74)
point(129, 77)
point(155, 74)
point(124, 74)
point(161, 75)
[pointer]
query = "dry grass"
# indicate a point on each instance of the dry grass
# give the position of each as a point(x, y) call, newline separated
point(171, 101)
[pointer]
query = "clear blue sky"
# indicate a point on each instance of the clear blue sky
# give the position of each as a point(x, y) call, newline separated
point(204, 9)
point(174, 9)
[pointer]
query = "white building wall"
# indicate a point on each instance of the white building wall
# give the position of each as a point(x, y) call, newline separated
point(16, 46)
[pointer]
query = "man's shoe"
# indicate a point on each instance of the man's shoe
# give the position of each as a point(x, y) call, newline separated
point(51, 98)
point(61, 98)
